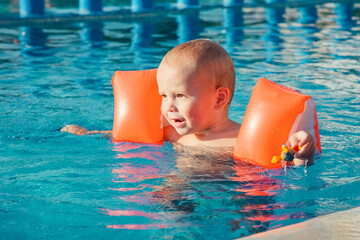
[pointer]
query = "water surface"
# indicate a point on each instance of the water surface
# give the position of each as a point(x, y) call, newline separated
point(56, 185)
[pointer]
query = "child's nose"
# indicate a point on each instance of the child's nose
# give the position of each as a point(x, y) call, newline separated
point(172, 108)
point(170, 105)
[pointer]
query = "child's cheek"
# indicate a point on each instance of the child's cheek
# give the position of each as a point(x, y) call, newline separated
point(164, 106)
point(191, 111)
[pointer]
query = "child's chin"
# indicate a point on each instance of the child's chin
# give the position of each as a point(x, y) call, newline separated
point(182, 131)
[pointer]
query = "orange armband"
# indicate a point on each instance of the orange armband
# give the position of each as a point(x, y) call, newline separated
point(273, 114)
point(137, 107)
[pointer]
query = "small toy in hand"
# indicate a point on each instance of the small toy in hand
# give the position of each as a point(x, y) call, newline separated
point(287, 154)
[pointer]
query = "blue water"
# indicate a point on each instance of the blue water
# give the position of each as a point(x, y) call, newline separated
point(58, 186)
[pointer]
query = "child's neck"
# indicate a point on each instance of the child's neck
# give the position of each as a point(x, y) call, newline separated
point(223, 134)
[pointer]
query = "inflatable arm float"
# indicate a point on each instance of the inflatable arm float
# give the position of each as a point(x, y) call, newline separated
point(137, 107)
point(273, 114)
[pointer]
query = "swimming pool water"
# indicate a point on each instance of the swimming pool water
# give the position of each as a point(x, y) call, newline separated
point(59, 186)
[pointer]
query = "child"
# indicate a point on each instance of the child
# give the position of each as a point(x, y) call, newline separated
point(196, 81)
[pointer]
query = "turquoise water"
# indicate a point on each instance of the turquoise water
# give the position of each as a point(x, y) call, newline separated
point(59, 186)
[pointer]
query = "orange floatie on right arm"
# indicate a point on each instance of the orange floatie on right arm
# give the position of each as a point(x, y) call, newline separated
point(137, 108)
point(273, 114)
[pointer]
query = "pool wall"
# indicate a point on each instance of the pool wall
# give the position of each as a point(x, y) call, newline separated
point(31, 8)
point(340, 225)
point(34, 11)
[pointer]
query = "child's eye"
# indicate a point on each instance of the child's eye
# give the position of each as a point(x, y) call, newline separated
point(163, 95)
point(180, 95)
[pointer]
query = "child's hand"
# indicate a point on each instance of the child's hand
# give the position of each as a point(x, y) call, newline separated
point(306, 142)
point(74, 129)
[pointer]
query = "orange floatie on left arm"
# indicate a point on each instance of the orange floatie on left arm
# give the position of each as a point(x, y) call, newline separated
point(273, 114)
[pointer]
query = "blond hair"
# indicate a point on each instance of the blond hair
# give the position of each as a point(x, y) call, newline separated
point(204, 53)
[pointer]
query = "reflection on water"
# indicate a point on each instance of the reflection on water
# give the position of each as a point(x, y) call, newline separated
point(188, 26)
point(307, 15)
point(233, 20)
point(200, 184)
point(92, 33)
point(344, 15)
point(32, 40)
point(274, 15)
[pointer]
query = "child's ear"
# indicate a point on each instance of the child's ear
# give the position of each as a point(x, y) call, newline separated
point(222, 97)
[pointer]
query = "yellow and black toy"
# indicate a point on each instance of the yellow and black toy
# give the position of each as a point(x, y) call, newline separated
point(287, 154)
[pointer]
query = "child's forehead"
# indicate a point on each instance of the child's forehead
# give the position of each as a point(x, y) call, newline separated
point(184, 68)
point(186, 63)
point(185, 81)
point(179, 68)
point(180, 61)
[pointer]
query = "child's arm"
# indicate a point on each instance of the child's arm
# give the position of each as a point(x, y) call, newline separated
point(77, 130)
point(306, 142)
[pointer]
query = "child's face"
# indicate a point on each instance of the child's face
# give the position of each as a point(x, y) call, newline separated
point(188, 97)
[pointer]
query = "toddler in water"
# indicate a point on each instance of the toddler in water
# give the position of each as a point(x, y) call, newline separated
point(196, 80)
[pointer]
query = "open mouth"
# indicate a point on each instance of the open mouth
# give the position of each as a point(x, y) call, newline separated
point(178, 122)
